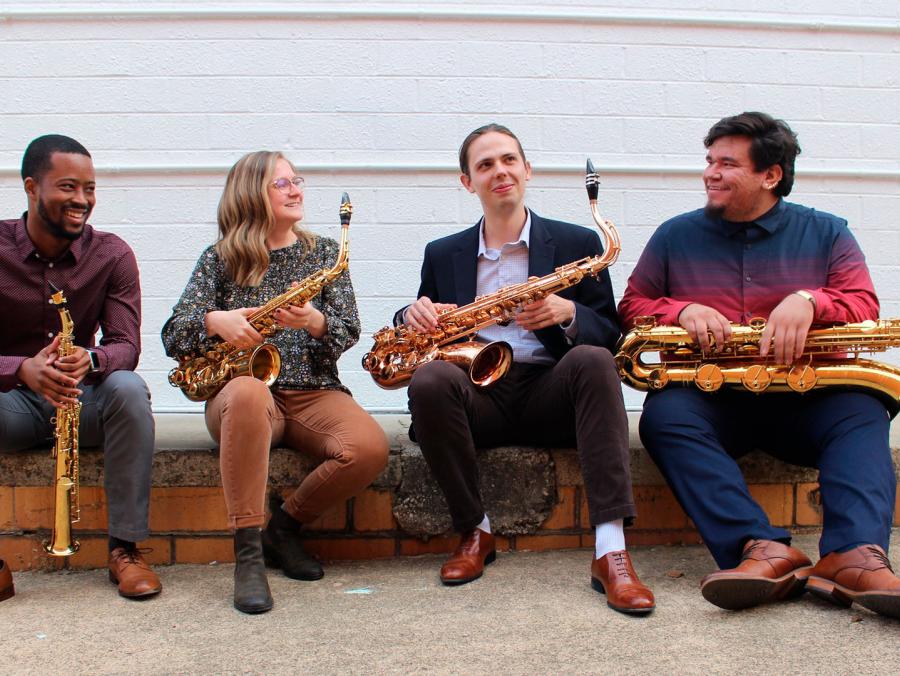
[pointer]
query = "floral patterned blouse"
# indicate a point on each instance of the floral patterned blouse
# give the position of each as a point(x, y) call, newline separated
point(307, 363)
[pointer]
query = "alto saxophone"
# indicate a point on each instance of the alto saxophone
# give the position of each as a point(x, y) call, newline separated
point(737, 363)
point(201, 376)
point(400, 350)
point(65, 450)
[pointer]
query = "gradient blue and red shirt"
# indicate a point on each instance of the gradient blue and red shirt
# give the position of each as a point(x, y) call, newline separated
point(744, 270)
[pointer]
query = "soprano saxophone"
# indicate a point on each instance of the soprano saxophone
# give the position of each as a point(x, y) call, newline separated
point(399, 351)
point(737, 363)
point(65, 450)
point(201, 376)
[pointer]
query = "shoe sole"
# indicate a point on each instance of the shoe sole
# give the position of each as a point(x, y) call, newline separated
point(597, 585)
point(738, 593)
point(455, 582)
point(135, 595)
point(272, 560)
point(255, 610)
point(883, 603)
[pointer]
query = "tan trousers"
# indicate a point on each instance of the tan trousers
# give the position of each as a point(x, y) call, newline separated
point(247, 419)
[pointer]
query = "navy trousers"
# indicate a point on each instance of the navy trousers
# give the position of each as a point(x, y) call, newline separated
point(695, 438)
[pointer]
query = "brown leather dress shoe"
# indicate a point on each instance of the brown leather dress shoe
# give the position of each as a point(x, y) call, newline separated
point(863, 575)
point(613, 575)
point(475, 550)
point(7, 590)
point(128, 569)
point(768, 571)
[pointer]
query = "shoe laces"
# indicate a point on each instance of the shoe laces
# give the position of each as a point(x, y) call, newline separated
point(134, 556)
point(753, 546)
point(621, 566)
point(881, 557)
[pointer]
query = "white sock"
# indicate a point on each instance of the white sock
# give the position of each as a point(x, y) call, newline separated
point(485, 524)
point(610, 538)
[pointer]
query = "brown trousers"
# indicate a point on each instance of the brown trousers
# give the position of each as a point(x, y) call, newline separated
point(247, 419)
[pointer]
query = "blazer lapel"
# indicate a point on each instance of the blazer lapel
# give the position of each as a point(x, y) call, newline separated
point(541, 248)
point(465, 262)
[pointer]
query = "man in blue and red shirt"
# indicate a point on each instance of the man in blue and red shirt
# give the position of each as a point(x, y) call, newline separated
point(748, 254)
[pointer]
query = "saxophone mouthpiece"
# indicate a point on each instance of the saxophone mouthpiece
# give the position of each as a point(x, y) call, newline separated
point(591, 181)
point(346, 210)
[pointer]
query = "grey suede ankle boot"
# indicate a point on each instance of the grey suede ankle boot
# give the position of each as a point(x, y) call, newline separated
point(251, 588)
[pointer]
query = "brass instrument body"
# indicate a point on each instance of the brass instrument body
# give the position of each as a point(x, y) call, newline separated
point(201, 376)
point(67, 509)
point(398, 351)
point(737, 363)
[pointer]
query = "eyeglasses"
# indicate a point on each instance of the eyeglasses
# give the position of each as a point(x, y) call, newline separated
point(283, 185)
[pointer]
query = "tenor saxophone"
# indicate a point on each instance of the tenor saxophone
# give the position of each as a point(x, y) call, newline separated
point(201, 376)
point(737, 362)
point(399, 351)
point(65, 450)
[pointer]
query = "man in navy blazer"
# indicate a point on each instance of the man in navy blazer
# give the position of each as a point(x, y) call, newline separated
point(562, 388)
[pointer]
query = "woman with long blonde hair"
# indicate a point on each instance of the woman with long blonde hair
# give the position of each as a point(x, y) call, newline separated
point(260, 252)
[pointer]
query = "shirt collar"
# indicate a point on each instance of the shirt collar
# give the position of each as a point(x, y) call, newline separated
point(26, 247)
point(524, 237)
point(769, 221)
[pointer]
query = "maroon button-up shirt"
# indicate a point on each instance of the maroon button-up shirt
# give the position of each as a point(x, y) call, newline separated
point(98, 275)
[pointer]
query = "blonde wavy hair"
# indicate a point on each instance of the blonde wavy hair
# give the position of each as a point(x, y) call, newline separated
point(246, 218)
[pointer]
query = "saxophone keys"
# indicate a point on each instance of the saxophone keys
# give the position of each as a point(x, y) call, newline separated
point(709, 377)
point(802, 378)
point(658, 378)
point(756, 378)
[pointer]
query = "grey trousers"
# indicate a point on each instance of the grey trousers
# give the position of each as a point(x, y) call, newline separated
point(115, 414)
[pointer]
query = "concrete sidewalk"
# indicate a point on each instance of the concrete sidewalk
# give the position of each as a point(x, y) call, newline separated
point(530, 613)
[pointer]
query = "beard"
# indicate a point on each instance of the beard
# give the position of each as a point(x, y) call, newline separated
point(714, 210)
point(55, 227)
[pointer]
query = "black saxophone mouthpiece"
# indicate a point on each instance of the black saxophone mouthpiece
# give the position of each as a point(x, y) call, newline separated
point(346, 209)
point(52, 286)
point(591, 181)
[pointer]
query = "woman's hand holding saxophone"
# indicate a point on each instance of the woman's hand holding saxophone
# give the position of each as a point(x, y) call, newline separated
point(232, 327)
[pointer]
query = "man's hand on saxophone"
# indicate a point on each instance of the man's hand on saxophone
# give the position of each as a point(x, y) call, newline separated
point(40, 374)
point(550, 311)
point(701, 320)
point(232, 326)
point(423, 314)
point(786, 328)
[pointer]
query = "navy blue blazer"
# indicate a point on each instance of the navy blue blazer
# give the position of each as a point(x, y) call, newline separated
point(449, 275)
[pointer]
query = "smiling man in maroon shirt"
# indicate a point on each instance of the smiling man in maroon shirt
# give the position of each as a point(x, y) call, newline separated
point(52, 244)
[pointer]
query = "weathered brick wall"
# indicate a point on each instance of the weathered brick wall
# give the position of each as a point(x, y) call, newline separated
point(535, 498)
point(375, 98)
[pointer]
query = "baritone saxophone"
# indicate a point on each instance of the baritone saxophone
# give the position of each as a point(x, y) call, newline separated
point(201, 376)
point(398, 351)
point(830, 359)
point(67, 509)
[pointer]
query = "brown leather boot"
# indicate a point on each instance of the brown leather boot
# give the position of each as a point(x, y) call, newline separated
point(768, 571)
point(862, 575)
point(475, 550)
point(128, 569)
point(7, 590)
point(613, 575)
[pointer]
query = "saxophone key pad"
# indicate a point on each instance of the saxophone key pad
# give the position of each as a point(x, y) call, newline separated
point(709, 377)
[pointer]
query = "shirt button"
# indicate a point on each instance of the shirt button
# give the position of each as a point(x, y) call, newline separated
point(748, 278)
point(50, 265)
point(50, 335)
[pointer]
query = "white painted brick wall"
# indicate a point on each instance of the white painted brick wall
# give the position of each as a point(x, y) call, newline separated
point(375, 99)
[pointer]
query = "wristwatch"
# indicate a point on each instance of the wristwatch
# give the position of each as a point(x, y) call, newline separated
point(95, 361)
point(808, 296)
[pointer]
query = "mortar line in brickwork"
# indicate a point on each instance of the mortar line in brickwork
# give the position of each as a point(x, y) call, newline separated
point(434, 14)
point(446, 168)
